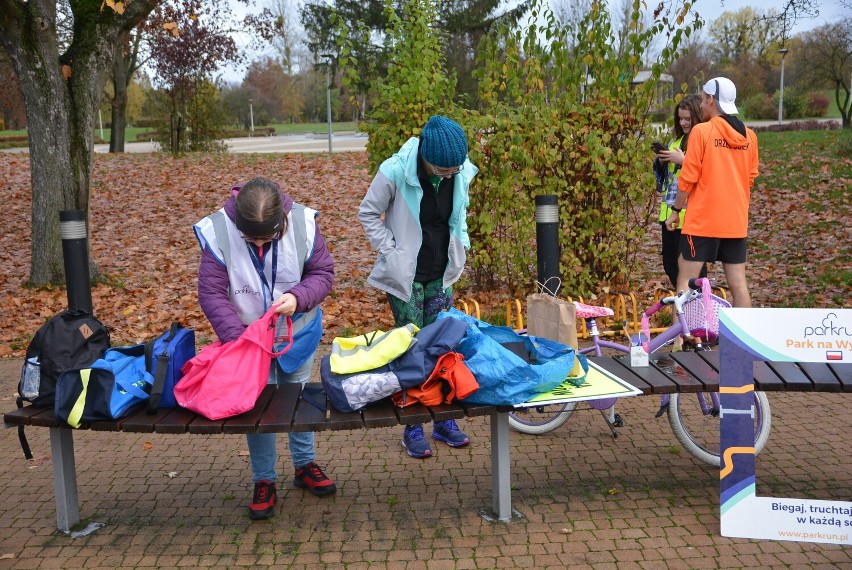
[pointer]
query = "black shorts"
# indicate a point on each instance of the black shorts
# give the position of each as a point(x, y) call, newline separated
point(726, 250)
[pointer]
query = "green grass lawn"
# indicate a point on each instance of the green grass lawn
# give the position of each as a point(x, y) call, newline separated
point(284, 128)
point(832, 112)
point(801, 202)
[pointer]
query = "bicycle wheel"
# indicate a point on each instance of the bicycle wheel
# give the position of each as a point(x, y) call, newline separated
point(699, 432)
point(541, 419)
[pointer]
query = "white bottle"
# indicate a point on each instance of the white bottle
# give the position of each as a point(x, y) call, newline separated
point(31, 378)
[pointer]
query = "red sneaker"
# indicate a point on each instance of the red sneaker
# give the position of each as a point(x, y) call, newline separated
point(312, 478)
point(263, 501)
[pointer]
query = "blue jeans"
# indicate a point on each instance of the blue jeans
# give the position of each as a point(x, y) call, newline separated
point(263, 450)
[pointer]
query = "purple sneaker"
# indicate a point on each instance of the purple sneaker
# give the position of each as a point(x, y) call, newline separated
point(415, 442)
point(449, 433)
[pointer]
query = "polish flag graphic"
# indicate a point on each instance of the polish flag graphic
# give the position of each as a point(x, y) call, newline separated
point(834, 355)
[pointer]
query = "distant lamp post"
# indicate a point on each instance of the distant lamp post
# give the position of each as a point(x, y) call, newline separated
point(251, 114)
point(783, 51)
point(328, 59)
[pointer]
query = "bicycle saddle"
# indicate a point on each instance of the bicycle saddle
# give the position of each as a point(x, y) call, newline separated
point(591, 311)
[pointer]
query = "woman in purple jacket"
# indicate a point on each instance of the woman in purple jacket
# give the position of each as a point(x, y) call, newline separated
point(262, 249)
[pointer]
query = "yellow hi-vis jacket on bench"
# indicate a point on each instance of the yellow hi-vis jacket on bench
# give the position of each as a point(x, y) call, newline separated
point(370, 351)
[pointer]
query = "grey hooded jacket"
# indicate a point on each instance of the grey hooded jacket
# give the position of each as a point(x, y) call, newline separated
point(396, 193)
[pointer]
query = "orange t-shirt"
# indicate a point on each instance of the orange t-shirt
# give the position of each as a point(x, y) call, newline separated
point(718, 173)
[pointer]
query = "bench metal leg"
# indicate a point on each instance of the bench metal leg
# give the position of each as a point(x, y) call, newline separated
point(64, 478)
point(501, 479)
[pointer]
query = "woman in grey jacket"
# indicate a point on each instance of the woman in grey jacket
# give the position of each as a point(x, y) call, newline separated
point(414, 214)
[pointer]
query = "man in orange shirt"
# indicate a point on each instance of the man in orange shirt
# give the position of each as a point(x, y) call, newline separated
point(716, 178)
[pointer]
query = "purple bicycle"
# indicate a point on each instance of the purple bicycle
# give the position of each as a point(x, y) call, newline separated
point(694, 418)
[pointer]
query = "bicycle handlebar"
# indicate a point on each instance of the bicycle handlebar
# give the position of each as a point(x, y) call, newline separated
point(653, 309)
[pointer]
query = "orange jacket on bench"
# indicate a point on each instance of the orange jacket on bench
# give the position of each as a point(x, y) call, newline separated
point(450, 369)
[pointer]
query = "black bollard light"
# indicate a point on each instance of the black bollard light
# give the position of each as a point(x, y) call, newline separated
point(75, 256)
point(547, 242)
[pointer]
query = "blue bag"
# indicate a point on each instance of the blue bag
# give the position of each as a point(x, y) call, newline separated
point(106, 390)
point(164, 358)
point(505, 378)
point(307, 332)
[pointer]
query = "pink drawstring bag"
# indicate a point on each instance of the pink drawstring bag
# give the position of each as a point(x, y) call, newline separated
point(225, 380)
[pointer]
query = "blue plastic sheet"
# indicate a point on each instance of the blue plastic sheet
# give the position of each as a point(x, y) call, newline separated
point(504, 377)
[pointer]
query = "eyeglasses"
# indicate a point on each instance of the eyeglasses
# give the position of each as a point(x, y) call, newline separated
point(445, 172)
point(264, 239)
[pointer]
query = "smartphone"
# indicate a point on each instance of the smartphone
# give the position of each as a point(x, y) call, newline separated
point(657, 147)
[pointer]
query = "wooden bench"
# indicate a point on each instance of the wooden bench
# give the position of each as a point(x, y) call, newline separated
point(279, 409)
point(285, 409)
point(699, 372)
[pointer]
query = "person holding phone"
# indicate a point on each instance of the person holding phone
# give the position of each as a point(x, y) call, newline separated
point(667, 165)
point(717, 178)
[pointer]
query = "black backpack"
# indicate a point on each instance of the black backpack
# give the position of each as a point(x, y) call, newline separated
point(71, 339)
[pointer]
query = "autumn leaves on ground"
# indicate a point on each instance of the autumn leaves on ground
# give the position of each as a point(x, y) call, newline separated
point(143, 208)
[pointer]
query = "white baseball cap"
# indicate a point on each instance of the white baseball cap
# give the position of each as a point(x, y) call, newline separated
point(724, 92)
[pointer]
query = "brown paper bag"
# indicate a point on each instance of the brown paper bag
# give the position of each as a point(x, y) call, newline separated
point(554, 319)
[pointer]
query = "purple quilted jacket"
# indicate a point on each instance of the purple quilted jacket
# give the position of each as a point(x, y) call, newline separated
point(316, 283)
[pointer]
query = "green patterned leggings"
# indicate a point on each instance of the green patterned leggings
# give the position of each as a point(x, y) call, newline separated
point(427, 300)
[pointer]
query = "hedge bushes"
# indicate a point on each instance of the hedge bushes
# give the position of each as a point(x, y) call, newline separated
point(797, 105)
point(559, 115)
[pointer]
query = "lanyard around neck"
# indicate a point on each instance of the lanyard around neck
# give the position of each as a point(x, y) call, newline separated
point(257, 263)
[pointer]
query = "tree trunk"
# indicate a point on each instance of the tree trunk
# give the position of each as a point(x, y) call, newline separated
point(61, 95)
point(119, 101)
point(843, 105)
point(34, 54)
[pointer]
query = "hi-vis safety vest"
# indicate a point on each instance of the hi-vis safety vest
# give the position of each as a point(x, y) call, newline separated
point(254, 285)
point(371, 350)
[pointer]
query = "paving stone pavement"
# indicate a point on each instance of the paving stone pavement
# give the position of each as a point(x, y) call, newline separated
point(588, 501)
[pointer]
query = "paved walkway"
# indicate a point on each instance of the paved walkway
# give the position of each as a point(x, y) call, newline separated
point(588, 501)
point(307, 142)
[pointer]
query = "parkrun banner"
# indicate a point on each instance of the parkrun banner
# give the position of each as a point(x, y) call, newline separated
point(775, 335)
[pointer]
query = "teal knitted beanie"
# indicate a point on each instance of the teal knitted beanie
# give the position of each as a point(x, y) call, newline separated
point(443, 142)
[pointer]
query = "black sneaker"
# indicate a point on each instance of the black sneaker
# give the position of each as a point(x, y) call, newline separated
point(263, 503)
point(311, 477)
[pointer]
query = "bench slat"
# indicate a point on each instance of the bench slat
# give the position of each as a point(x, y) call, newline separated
point(698, 367)
point(821, 377)
point(413, 414)
point(474, 410)
point(202, 425)
point(141, 422)
point(278, 416)
point(21, 416)
point(175, 422)
point(309, 417)
point(247, 421)
point(626, 373)
point(47, 419)
point(765, 379)
point(660, 382)
point(793, 377)
point(445, 412)
point(380, 414)
point(339, 420)
point(844, 374)
point(711, 357)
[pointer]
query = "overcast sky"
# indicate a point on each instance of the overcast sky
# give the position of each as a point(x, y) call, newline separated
point(829, 11)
